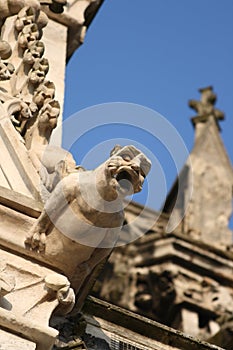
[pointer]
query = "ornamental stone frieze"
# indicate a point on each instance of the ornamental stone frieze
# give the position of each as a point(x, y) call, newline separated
point(23, 74)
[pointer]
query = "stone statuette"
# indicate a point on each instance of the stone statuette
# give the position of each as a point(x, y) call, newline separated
point(83, 216)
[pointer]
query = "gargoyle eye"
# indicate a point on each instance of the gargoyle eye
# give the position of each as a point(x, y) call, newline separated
point(126, 157)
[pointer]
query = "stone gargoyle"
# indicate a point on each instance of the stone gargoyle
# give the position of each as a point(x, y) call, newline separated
point(82, 218)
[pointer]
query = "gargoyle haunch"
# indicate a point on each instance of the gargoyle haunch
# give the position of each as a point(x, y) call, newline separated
point(87, 206)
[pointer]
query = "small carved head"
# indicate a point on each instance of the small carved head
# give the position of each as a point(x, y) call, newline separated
point(6, 70)
point(35, 51)
point(39, 71)
point(47, 118)
point(44, 93)
point(28, 35)
point(26, 15)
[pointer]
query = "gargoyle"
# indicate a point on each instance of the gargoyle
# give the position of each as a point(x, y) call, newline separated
point(87, 206)
point(82, 218)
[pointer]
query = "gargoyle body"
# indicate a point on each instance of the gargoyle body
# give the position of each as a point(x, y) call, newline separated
point(83, 216)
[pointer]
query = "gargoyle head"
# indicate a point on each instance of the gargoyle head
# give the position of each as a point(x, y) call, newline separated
point(128, 168)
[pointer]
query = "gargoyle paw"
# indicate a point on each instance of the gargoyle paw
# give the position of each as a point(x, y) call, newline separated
point(36, 242)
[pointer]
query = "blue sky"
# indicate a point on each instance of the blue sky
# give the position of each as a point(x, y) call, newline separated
point(154, 53)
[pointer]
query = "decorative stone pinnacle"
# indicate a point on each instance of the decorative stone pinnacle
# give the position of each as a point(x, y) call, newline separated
point(205, 107)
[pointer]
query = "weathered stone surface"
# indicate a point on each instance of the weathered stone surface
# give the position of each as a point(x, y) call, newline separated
point(8, 342)
point(92, 203)
point(57, 64)
point(77, 16)
point(20, 88)
point(106, 326)
point(29, 318)
point(19, 177)
point(175, 272)
point(167, 277)
point(31, 97)
point(204, 205)
point(205, 107)
point(100, 195)
point(7, 283)
point(224, 336)
point(122, 328)
point(55, 282)
point(40, 61)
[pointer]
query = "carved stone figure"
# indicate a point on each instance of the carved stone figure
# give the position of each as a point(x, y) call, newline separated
point(59, 286)
point(6, 70)
point(89, 194)
point(34, 52)
point(44, 93)
point(11, 7)
point(82, 218)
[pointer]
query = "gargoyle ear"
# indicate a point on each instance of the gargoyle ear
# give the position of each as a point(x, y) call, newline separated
point(115, 150)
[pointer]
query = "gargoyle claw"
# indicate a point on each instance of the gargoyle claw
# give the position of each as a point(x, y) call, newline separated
point(36, 242)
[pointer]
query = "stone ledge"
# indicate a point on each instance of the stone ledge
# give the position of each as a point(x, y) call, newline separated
point(153, 330)
point(20, 202)
point(43, 336)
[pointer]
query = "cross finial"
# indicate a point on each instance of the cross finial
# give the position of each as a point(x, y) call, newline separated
point(205, 107)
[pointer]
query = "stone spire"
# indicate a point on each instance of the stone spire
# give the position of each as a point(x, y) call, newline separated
point(204, 200)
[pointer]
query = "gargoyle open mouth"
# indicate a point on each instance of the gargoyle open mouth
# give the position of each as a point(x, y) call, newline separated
point(124, 179)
